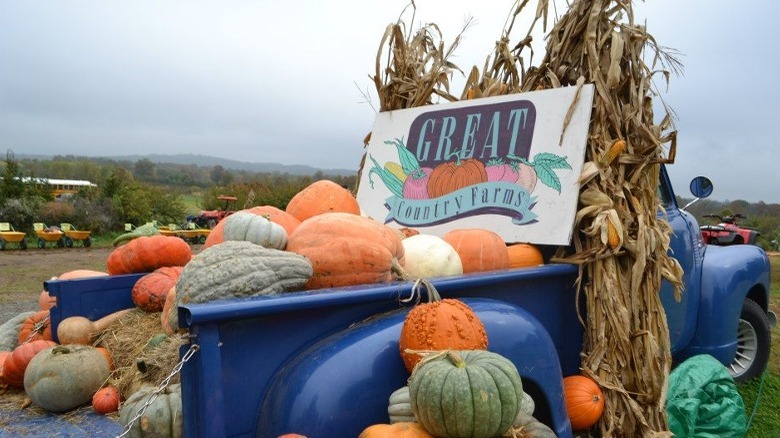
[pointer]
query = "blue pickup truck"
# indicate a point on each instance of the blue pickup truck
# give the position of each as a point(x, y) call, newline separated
point(323, 364)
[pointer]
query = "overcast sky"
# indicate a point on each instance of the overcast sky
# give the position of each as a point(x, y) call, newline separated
point(281, 81)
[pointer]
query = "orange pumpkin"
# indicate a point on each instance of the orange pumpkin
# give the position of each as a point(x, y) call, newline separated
point(522, 255)
point(168, 307)
point(106, 400)
point(323, 196)
point(447, 324)
point(149, 291)
point(16, 363)
point(455, 175)
point(480, 250)
point(147, 253)
point(46, 302)
point(396, 430)
point(584, 401)
point(3, 355)
point(36, 327)
point(107, 354)
point(275, 215)
point(346, 249)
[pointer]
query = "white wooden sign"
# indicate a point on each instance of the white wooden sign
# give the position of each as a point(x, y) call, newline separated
point(502, 163)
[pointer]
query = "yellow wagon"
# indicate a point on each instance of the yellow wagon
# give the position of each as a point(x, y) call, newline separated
point(9, 235)
point(49, 235)
point(73, 235)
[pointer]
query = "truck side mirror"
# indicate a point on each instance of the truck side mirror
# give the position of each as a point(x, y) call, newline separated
point(701, 187)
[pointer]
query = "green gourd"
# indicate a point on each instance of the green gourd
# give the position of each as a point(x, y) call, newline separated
point(64, 377)
point(254, 228)
point(162, 418)
point(466, 394)
point(9, 331)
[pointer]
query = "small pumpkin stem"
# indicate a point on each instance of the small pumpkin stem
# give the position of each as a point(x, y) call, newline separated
point(433, 294)
point(455, 358)
point(398, 272)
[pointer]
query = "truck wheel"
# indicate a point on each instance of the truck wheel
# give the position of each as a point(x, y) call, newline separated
point(211, 224)
point(753, 343)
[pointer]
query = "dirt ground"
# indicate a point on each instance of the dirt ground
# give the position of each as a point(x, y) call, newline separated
point(22, 273)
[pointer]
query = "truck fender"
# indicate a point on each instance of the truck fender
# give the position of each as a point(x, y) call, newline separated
point(729, 275)
point(341, 384)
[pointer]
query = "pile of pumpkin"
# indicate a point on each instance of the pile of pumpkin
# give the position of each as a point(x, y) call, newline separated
point(319, 241)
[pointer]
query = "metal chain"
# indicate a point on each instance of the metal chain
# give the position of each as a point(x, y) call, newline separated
point(164, 384)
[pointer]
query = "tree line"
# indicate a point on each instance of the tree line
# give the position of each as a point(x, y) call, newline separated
point(135, 191)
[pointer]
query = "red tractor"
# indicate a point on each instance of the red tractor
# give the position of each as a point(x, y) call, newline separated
point(210, 218)
point(727, 231)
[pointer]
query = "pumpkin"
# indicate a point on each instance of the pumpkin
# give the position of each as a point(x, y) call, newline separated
point(399, 406)
point(106, 400)
point(432, 325)
point(168, 317)
point(427, 256)
point(107, 355)
point(323, 196)
point(522, 255)
point(397, 430)
point(234, 269)
point(527, 405)
point(455, 175)
point(3, 355)
point(529, 427)
point(147, 253)
point(163, 417)
point(468, 393)
point(291, 435)
point(36, 326)
point(254, 228)
point(347, 250)
point(16, 363)
point(64, 377)
point(480, 250)
point(584, 401)
point(281, 217)
point(149, 291)
point(9, 331)
point(45, 302)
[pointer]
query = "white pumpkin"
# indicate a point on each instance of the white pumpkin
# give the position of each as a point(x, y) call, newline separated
point(258, 229)
point(427, 256)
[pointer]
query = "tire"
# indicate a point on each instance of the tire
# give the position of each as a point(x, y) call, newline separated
point(211, 224)
point(201, 239)
point(2, 244)
point(61, 243)
point(87, 242)
point(41, 243)
point(69, 242)
point(23, 244)
point(754, 339)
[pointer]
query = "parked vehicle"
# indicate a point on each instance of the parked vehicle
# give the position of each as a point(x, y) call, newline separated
point(210, 218)
point(323, 363)
point(728, 231)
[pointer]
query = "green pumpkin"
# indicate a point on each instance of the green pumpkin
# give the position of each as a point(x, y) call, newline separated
point(9, 331)
point(399, 407)
point(528, 426)
point(255, 228)
point(62, 378)
point(163, 417)
point(466, 394)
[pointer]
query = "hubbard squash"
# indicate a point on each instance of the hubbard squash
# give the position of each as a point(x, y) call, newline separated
point(16, 363)
point(527, 426)
point(235, 269)
point(523, 255)
point(396, 430)
point(254, 228)
point(323, 196)
point(163, 417)
point(149, 291)
point(36, 326)
point(480, 250)
point(399, 406)
point(346, 249)
point(145, 254)
point(64, 377)
point(9, 331)
point(281, 217)
point(472, 394)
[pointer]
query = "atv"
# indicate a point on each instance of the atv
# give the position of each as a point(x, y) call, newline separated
point(727, 231)
point(210, 218)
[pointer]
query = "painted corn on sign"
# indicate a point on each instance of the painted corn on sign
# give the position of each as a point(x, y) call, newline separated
point(510, 164)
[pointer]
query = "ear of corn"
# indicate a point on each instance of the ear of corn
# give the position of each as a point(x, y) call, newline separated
point(617, 147)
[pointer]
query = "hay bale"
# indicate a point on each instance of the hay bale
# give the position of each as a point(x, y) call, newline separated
point(142, 353)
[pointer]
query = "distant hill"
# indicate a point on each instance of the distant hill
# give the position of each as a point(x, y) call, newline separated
point(209, 161)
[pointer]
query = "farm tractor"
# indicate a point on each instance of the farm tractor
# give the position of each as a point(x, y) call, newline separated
point(210, 218)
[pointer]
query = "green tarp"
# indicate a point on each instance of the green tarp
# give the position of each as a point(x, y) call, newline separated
point(703, 401)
